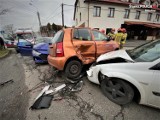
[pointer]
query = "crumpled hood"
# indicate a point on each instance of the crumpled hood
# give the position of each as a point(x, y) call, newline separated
point(115, 54)
point(41, 46)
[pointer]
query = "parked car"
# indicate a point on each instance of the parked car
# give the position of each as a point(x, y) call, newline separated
point(40, 49)
point(74, 47)
point(127, 74)
point(24, 47)
point(8, 39)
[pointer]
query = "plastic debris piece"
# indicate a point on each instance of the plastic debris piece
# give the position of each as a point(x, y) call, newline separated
point(43, 91)
point(77, 87)
point(42, 102)
point(55, 89)
point(9, 81)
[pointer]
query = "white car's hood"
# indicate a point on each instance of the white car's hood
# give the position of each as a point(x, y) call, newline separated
point(115, 54)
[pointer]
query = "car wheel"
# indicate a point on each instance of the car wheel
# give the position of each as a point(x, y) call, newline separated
point(17, 50)
point(73, 69)
point(117, 91)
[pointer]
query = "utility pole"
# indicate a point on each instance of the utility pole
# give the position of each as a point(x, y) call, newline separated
point(62, 15)
point(39, 19)
point(38, 15)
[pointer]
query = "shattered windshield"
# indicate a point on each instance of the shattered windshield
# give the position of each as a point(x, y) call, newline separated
point(147, 52)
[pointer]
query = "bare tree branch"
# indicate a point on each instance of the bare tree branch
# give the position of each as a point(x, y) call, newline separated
point(4, 11)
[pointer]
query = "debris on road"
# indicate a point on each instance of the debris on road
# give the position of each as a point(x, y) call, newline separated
point(55, 90)
point(42, 102)
point(77, 87)
point(43, 91)
point(6, 82)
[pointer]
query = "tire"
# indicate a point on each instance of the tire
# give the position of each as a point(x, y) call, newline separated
point(117, 91)
point(73, 69)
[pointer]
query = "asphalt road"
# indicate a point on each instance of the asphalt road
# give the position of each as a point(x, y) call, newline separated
point(13, 100)
point(87, 104)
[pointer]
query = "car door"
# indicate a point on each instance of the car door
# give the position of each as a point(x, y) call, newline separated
point(25, 47)
point(84, 45)
point(154, 95)
point(102, 45)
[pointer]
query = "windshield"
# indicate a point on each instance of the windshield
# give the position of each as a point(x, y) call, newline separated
point(146, 53)
point(27, 36)
point(43, 40)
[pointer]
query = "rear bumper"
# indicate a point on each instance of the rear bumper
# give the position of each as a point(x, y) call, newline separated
point(57, 62)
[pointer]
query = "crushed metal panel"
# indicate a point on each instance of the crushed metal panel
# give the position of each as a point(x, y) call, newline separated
point(115, 54)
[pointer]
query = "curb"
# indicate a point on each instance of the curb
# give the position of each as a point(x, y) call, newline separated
point(5, 55)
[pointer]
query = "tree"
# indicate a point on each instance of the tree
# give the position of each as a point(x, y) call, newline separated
point(4, 11)
point(54, 27)
point(49, 27)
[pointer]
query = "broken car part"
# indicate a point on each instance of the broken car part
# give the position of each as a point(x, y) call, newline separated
point(42, 102)
point(6, 82)
point(55, 89)
point(43, 91)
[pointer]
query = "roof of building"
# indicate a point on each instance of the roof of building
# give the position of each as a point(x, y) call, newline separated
point(147, 24)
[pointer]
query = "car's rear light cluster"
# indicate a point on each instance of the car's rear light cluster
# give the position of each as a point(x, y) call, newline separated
point(59, 49)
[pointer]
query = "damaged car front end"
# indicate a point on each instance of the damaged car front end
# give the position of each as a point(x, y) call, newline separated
point(127, 74)
point(96, 71)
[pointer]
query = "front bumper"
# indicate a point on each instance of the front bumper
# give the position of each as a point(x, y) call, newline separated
point(39, 58)
point(92, 74)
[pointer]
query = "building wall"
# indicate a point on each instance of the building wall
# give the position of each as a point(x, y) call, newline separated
point(104, 21)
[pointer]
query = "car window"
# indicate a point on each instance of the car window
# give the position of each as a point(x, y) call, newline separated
point(23, 42)
point(45, 40)
point(58, 37)
point(146, 53)
point(98, 36)
point(82, 34)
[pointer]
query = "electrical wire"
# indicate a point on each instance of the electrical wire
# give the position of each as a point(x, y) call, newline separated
point(53, 12)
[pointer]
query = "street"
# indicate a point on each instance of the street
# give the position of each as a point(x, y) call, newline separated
point(88, 104)
point(13, 97)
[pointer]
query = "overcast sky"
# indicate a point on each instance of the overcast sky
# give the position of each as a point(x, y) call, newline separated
point(23, 15)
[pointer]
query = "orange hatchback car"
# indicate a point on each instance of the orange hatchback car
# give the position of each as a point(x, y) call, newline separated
point(72, 48)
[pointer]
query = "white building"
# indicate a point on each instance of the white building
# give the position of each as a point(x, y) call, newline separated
point(141, 23)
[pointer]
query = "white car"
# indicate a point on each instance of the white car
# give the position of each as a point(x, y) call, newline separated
point(127, 74)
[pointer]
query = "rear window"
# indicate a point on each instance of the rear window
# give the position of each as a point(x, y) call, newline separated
point(81, 34)
point(58, 37)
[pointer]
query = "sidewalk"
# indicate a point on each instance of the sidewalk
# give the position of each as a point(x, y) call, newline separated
point(134, 43)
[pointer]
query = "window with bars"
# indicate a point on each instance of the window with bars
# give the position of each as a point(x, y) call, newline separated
point(157, 17)
point(126, 14)
point(149, 17)
point(138, 13)
point(111, 12)
point(96, 11)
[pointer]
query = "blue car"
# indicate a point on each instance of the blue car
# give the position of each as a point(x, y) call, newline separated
point(40, 49)
point(24, 47)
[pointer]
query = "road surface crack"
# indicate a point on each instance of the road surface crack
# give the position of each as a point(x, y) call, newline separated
point(83, 107)
point(120, 114)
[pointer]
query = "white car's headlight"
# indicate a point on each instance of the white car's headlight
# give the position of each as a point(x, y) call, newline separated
point(35, 53)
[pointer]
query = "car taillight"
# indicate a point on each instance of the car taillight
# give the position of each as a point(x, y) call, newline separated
point(59, 50)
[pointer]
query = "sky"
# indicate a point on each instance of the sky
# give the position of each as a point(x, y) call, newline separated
point(23, 15)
